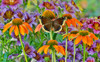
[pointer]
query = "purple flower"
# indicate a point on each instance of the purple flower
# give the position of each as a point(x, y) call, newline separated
point(12, 56)
point(17, 37)
point(8, 13)
point(1, 25)
point(11, 3)
point(90, 59)
point(95, 26)
point(30, 19)
point(68, 8)
point(63, 60)
point(19, 14)
point(29, 50)
point(38, 57)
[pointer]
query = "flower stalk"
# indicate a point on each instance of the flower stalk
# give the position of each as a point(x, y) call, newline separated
point(66, 44)
point(22, 47)
point(74, 51)
point(84, 47)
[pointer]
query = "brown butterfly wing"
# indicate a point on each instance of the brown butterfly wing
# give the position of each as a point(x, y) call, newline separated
point(27, 49)
point(46, 22)
point(58, 24)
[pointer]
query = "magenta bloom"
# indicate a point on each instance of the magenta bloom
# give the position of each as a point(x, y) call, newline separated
point(90, 59)
point(12, 3)
point(95, 26)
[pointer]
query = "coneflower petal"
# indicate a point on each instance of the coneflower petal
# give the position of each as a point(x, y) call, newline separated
point(78, 39)
point(11, 29)
point(8, 24)
point(16, 31)
point(22, 30)
point(84, 39)
point(26, 30)
point(46, 49)
point(6, 27)
point(56, 47)
point(41, 49)
point(62, 50)
point(28, 26)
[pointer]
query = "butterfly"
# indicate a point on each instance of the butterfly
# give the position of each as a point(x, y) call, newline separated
point(27, 49)
point(52, 24)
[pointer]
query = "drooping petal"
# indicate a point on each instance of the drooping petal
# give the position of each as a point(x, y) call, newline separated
point(41, 49)
point(68, 23)
point(6, 27)
point(77, 21)
point(73, 22)
point(56, 47)
point(78, 39)
point(28, 26)
point(46, 49)
point(62, 50)
point(89, 41)
point(22, 30)
point(38, 28)
point(11, 29)
point(65, 36)
point(26, 30)
point(93, 36)
point(16, 30)
point(8, 24)
point(84, 39)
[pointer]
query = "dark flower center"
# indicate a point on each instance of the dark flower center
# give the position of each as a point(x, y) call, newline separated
point(74, 32)
point(69, 16)
point(10, 2)
point(96, 26)
point(8, 14)
point(97, 47)
point(17, 21)
point(48, 5)
point(84, 33)
point(52, 42)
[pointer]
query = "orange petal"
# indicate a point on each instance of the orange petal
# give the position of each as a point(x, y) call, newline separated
point(28, 26)
point(38, 28)
point(41, 49)
point(77, 21)
point(11, 29)
point(6, 27)
point(65, 36)
point(73, 22)
point(22, 30)
point(56, 47)
point(68, 23)
point(8, 24)
point(84, 39)
point(89, 41)
point(93, 36)
point(26, 30)
point(78, 39)
point(46, 49)
point(62, 50)
point(16, 30)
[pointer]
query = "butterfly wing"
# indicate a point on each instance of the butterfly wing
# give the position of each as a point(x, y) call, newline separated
point(46, 23)
point(58, 24)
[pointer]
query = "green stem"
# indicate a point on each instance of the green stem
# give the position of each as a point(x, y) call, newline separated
point(51, 35)
point(74, 51)
point(84, 46)
point(23, 47)
point(53, 56)
point(48, 0)
point(66, 44)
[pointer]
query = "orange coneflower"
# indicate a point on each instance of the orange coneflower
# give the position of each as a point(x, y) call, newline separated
point(18, 26)
point(86, 37)
point(71, 35)
point(51, 45)
point(71, 20)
